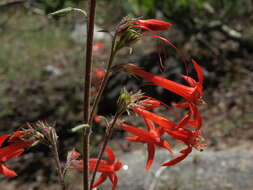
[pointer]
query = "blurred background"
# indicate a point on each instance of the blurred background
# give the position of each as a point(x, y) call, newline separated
point(41, 76)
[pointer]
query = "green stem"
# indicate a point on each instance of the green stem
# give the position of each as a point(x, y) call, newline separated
point(87, 87)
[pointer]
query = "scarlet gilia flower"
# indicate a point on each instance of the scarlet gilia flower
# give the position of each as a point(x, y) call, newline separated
point(97, 76)
point(107, 168)
point(198, 85)
point(192, 93)
point(183, 154)
point(193, 113)
point(129, 35)
point(14, 149)
point(152, 24)
point(98, 46)
point(166, 124)
point(98, 73)
point(190, 138)
point(151, 137)
point(148, 104)
point(161, 121)
point(178, 131)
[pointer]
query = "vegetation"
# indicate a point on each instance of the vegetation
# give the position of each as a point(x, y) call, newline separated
point(41, 75)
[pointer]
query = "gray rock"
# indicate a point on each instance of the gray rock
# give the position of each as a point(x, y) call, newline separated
point(223, 170)
point(53, 70)
point(78, 35)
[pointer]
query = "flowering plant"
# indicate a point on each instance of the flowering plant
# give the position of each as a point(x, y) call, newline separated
point(186, 131)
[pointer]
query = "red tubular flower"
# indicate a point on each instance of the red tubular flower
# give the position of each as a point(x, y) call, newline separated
point(195, 84)
point(153, 24)
point(98, 46)
point(98, 73)
point(149, 104)
point(11, 151)
point(97, 76)
point(190, 138)
point(193, 111)
point(107, 168)
point(152, 138)
point(161, 121)
point(183, 154)
point(192, 93)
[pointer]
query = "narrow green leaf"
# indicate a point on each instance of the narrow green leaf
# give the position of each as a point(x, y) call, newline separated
point(67, 10)
point(79, 127)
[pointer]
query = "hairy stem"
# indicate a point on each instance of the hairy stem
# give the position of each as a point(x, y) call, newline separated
point(102, 150)
point(87, 86)
point(58, 166)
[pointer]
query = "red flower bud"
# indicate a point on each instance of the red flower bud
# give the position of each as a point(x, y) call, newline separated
point(154, 24)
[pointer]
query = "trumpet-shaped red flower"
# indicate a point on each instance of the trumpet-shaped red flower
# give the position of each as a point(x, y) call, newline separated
point(193, 112)
point(191, 138)
point(98, 46)
point(149, 104)
point(161, 121)
point(107, 168)
point(13, 150)
point(183, 154)
point(152, 24)
point(97, 76)
point(192, 93)
point(152, 138)
point(167, 125)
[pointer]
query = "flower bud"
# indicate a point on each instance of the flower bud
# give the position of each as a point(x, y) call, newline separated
point(154, 24)
point(127, 38)
point(124, 101)
point(149, 104)
point(73, 155)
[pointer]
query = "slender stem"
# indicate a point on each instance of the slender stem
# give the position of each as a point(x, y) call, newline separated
point(58, 166)
point(105, 80)
point(97, 100)
point(87, 86)
point(102, 150)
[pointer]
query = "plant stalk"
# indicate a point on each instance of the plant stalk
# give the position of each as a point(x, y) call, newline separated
point(104, 81)
point(58, 166)
point(87, 87)
point(102, 150)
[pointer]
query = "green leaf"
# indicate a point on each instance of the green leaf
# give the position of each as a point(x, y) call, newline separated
point(67, 10)
point(79, 127)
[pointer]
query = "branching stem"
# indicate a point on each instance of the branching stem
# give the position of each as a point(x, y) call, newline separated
point(105, 142)
point(105, 79)
point(58, 166)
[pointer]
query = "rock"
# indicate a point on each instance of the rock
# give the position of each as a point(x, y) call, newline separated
point(223, 170)
point(78, 35)
point(52, 70)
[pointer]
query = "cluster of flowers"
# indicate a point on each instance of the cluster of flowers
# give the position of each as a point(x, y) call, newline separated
point(186, 131)
point(107, 168)
point(158, 125)
point(11, 146)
